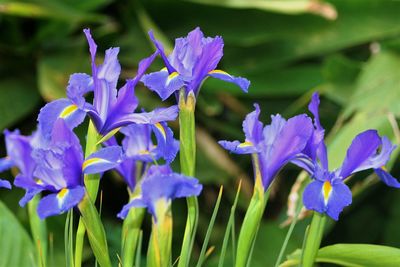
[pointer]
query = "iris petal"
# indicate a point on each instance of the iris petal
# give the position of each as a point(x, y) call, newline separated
point(243, 83)
point(60, 202)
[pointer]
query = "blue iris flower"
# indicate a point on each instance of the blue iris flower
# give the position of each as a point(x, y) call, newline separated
point(193, 59)
point(56, 166)
point(274, 145)
point(139, 147)
point(328, 193)
point(160, 183)
point(111, 108)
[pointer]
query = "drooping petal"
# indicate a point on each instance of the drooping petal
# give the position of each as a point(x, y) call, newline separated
point(271, 131)
point(60, 202)
point(138, 202)
point(289, 142)
point(79, 84)
point(6, 163)
point(327, 197)
point(167, 147)
point(5, 184)
point(238, 147)
point(243, 83)
point(363, 147)
point(387, 178)
point(339, 199)
point(161, 183)
point(102, 160)
point(152, 117)
point(59, 109)
point(163, 83)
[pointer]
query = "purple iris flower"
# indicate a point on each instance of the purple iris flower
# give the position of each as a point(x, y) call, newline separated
point(111, 108)
point(274, 145)
point(58, 168)
point(19, 150)
point(328, 193)
point(138, 146)
point(193, 59)
point(162, 184)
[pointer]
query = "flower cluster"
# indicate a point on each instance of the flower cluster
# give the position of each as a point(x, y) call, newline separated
point(300, 142)
point(51, 160)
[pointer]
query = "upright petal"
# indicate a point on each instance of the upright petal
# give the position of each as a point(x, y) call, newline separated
point(316, 148)
point(19, 151)
point(289, 142)
point(252, 127)
point(243, 83)
point(160, 50)
point(211, 55)
point(363, 147)
point(79, 84)
point(102, 160)
point(60, 202)
point(59, 109)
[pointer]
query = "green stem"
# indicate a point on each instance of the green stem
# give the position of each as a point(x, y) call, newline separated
point(39, 231)
point(313, 239)
point(92, 185)
point(95, 231)
point(252, 219)
point(188, 163)
point(130, 235)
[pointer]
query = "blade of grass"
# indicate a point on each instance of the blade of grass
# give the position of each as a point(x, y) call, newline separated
point(229, 227)
point(288, 235)
point(209, 229)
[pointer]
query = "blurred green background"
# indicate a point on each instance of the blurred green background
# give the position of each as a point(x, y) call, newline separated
point(347, 50)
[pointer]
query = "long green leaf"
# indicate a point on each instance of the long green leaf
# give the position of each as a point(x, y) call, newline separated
point(16, 246)
point(209, 230)
point(353, 255)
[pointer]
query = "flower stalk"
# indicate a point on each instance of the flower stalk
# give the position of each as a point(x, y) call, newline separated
point(188, 161)
point(39, 232)
point(159, 252)
point(252, 219)
point(92, 185)
point(313, 239)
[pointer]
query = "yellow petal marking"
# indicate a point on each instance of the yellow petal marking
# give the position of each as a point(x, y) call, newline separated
point(246, 144)
point(91, 161)
point(62, 193)
point(384, 168)
point(144, 152)
point(171, 77)
point(326, 191)
point(219, 72)
point(39, 182)
point(161, 129)
point(68, 111)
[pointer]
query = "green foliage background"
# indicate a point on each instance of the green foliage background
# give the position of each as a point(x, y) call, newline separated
point(347, 50)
